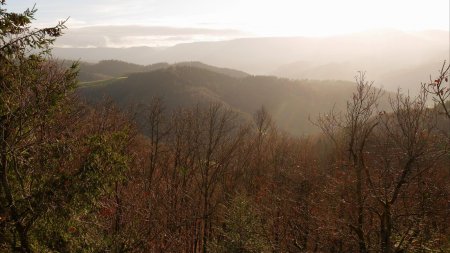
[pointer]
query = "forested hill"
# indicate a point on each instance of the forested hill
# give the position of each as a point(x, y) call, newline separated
point(395, 59)
point(107, 69)
point(290, 102)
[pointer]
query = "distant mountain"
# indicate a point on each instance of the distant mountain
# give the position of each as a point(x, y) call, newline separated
point(224, 71)
point(309, 70)
point(380, 53)
point(410, 77)
point(137, 55)
point(108, 69)
point(290, 102)
point(407, 78)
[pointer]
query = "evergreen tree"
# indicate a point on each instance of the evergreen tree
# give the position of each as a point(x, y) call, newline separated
point(55, 164)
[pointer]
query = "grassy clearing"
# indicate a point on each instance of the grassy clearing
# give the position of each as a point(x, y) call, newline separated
point(100, 82)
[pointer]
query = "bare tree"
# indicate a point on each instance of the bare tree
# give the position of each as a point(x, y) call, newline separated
point(355, 127)
point(403, 149)
point(439, 89)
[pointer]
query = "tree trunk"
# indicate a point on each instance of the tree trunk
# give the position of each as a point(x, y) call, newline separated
point(360, 230)
point(14, 214)
point(386, 230)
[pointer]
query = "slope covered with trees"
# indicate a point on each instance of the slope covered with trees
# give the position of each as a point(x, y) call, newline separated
point(108, 69)
point(85, 178)
point(290, 102)
point(394, 58)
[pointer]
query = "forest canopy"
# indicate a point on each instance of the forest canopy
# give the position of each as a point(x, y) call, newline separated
point(79, 176)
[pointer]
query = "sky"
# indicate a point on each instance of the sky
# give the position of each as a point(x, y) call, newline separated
point(117, 23)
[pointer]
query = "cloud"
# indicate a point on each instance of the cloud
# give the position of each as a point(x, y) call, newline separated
point(134, 35)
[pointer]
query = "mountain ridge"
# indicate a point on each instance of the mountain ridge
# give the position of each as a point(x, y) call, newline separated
point(379, 53)
point(109, 69)
point(291, 102)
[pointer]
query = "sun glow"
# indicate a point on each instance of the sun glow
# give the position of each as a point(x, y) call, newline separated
point(322, 17)
point(265, 17)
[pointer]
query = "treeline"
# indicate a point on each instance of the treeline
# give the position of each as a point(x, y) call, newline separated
point(184, 85)
point(84, 178)
point(107, 69)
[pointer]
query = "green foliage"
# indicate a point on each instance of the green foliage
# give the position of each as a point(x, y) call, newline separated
point(17, 35)
point(242, 231)
point(53, 175)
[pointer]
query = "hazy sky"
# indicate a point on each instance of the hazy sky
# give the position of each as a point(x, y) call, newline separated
point(237, 18)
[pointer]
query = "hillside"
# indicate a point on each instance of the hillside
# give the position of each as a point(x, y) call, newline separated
point(381, 53)
point(108, 69)
point(290, 102)
point(408, 78)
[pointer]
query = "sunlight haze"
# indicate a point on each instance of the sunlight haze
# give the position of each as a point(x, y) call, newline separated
point(247, 18)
